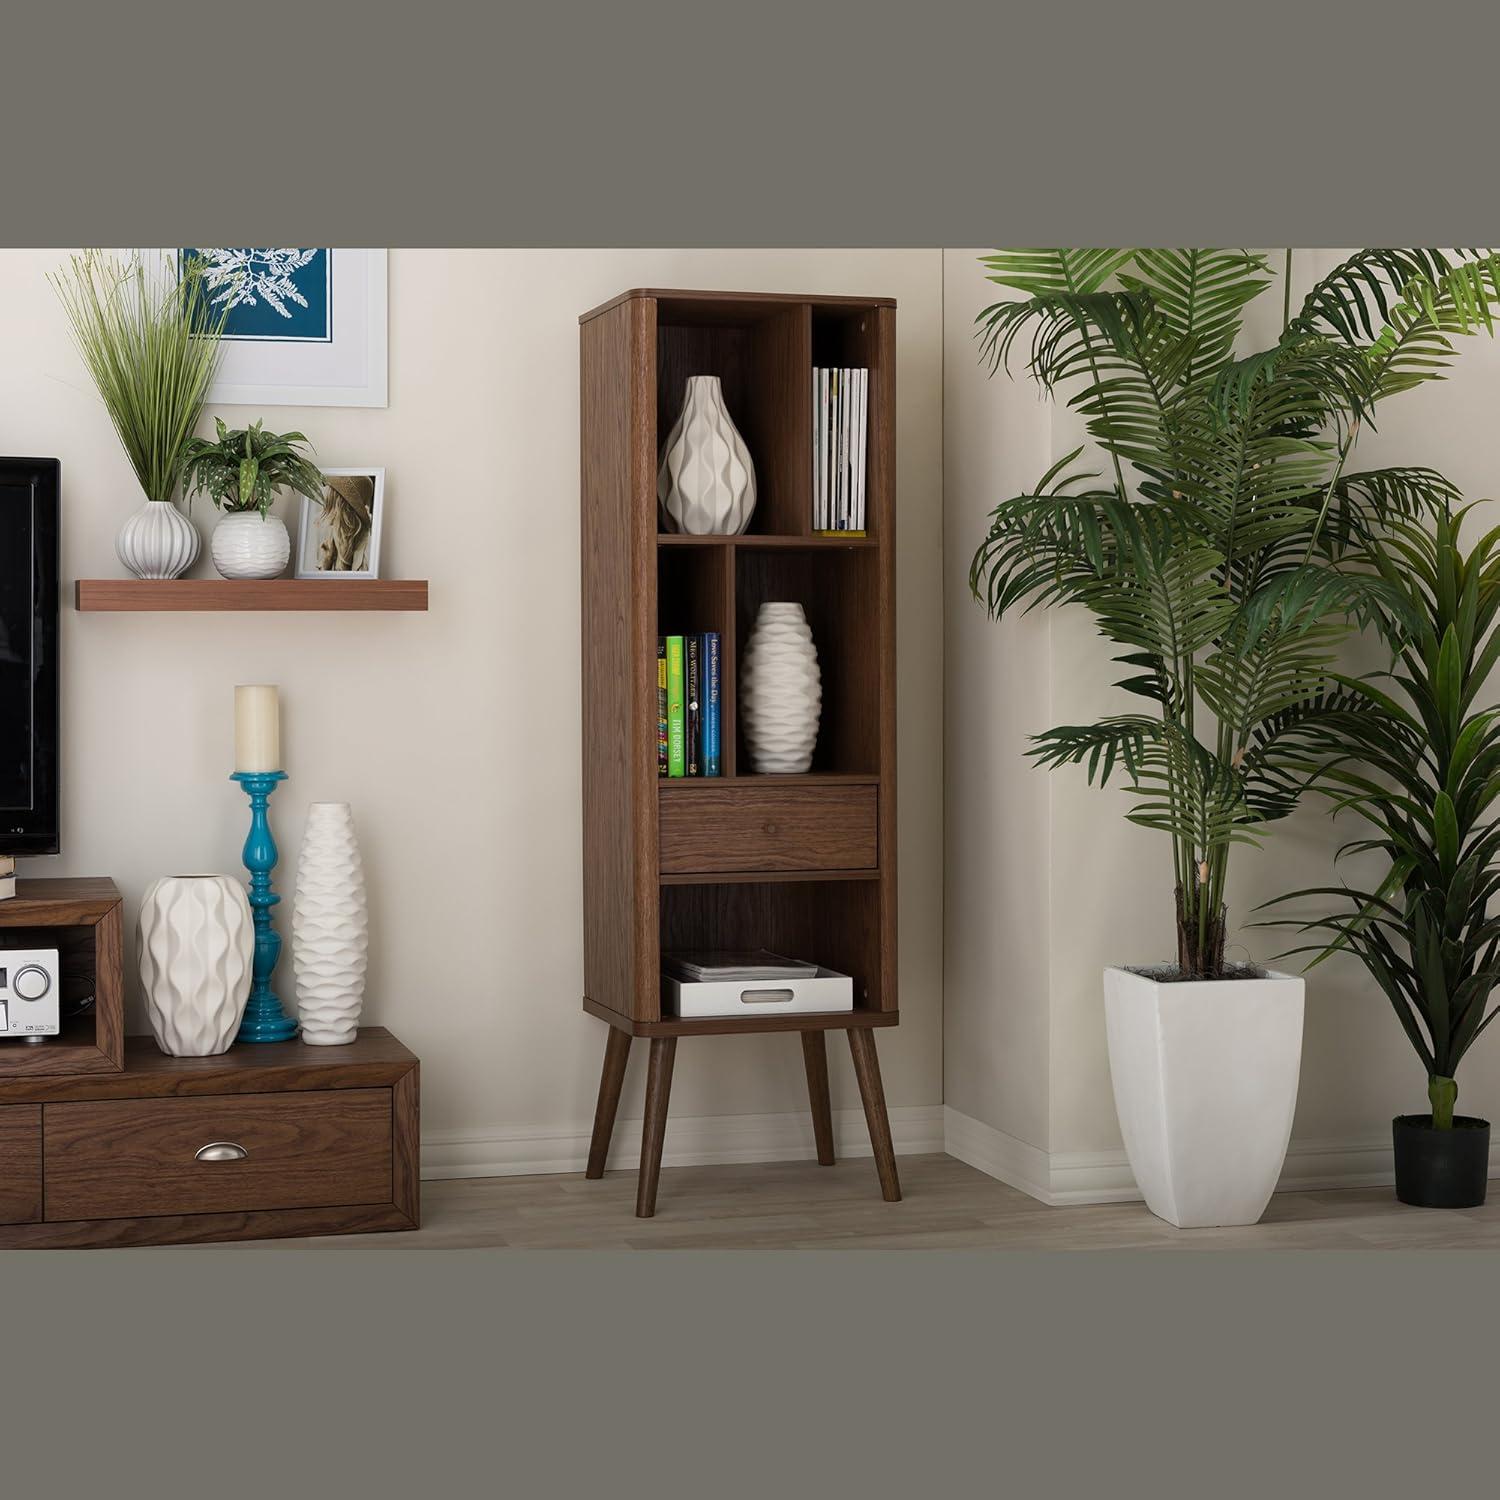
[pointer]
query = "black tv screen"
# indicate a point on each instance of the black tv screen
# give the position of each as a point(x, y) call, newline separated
point(28, 655)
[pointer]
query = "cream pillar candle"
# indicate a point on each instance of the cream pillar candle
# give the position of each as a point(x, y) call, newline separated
point(257, 729)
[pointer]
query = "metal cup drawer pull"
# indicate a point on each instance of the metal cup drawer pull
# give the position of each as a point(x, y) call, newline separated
point(766, 997)
point(220, 1151)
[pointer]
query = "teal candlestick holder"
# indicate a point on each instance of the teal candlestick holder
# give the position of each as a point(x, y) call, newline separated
point(264, 1021)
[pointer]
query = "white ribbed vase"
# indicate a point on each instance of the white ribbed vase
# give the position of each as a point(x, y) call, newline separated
point(248, 545)
point(196, 949)
point(706, 482)
point(781, 690)
point(158, 541)
point(330, 927)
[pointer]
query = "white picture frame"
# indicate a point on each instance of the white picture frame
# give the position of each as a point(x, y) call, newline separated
point(348, 368)
point(308, 530)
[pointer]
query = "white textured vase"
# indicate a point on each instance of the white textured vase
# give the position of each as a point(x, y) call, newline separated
point(1205, 1079)
point(196, 947)
point(158, 541)
point(249, 545)
point(330, 927)
point(706, 482)
point(781, 690)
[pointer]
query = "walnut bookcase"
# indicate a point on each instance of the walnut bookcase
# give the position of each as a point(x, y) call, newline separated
point(806, 864)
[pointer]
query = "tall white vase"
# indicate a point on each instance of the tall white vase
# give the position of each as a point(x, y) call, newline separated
point(249, 545)
point(706, 482)
point(330, 927)
point(196, 949)
point(158, 541)
point(781, 690)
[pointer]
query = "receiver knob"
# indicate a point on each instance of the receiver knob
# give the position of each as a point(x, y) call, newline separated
point(31, 983)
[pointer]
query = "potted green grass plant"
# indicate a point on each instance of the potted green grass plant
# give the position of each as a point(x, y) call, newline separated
point(150, 342)
point(1219, 552)
point(1421, 765)
point(240, 471)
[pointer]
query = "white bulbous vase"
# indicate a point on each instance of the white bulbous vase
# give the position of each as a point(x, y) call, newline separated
point(330, 928)
point(781, 691)
point(706, 483)
point(196, 950)
point(158, 541)
point(249, 545)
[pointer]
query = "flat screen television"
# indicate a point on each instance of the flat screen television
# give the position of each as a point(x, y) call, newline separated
point(28, 655)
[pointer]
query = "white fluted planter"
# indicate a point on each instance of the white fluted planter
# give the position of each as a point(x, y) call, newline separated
point(249, 545)
point(330, 927)
point(196, 949)
point(706, 482)
point(781, 690)
point(158, 541)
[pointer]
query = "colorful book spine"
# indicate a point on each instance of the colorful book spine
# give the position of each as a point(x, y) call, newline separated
point(661, 705)
point(676, 728)
point(693, 701)
point(711, 758)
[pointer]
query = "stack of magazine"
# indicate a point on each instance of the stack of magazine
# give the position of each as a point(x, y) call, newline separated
point(840, 407)
point(709, 966)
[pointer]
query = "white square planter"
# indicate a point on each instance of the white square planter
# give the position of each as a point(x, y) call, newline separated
point(1205, 1078)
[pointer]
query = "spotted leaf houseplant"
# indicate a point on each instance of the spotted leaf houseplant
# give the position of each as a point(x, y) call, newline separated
point(240, 471)
point(150, 342)
point(1220, 552)
point(1420, 764)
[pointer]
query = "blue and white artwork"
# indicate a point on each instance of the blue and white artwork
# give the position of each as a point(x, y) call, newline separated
point(280, 295)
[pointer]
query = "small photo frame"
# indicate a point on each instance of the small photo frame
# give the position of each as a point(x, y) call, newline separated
point(340, 538)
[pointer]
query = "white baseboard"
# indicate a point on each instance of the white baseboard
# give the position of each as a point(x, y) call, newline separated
point(693, 1140)
point(1104, 1176)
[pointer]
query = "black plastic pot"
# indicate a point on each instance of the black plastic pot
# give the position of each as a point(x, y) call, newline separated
point(1441, 1168)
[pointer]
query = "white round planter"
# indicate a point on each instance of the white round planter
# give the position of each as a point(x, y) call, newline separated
point(1205, 1077)
point(249, 545)
point(196, 947)
point(330, 927)
point(158, 541)
point(781, 690)
point(706, 482)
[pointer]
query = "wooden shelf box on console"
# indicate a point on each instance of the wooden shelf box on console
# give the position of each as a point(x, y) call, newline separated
point(804, 865)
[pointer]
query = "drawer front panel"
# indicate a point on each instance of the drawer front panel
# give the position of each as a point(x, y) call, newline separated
point(126, 1158)
point(723, 830)
point(20, 1163)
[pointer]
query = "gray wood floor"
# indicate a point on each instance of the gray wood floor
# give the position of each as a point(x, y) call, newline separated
point(947, 1205)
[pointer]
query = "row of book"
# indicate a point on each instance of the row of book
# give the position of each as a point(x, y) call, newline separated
point(687, 704)
point(840, 422)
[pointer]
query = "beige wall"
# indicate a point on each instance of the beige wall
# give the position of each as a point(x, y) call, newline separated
point(1110, 882)
point(455, 734)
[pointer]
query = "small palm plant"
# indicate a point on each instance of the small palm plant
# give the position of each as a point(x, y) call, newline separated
point(241, 470)
point(1221, 552)
point(1422, 766)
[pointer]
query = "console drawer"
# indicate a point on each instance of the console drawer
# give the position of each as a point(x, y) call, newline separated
point(128, 1158)
point(20, 1163)
point(708, 830)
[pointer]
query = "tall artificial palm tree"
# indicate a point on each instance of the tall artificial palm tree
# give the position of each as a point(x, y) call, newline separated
point(1223, 546)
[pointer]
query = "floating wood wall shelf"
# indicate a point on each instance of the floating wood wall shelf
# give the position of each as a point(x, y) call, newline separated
point(204, 594)
point(804, 865)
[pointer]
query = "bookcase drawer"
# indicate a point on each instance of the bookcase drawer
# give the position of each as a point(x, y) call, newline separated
point(121, 1158)
point(707, 830)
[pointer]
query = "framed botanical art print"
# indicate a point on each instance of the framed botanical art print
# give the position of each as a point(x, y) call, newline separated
point(339, 536)
point(303, 327)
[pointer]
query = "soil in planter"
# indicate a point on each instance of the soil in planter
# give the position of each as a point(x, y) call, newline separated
point(1171, 974)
